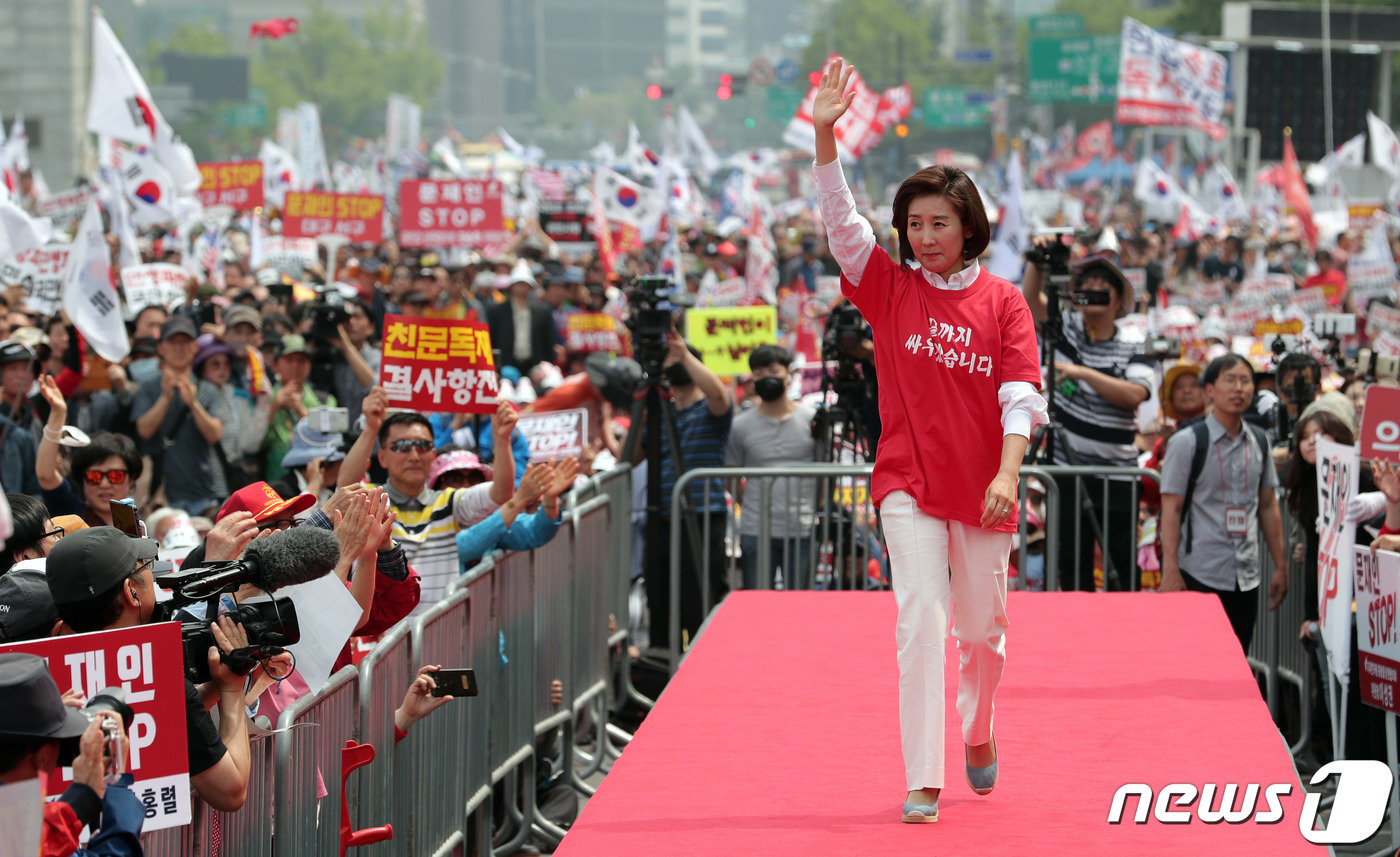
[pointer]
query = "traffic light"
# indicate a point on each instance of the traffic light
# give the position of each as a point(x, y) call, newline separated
point(731, 85)
point(901, 130)
point(656, 92)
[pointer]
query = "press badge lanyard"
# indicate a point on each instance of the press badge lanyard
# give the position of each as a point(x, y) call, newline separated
point(1236, 522)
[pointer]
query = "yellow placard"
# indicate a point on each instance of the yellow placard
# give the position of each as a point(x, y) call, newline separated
point(726, 335)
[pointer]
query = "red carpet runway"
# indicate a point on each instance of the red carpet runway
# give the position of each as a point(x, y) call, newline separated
point(779, 736)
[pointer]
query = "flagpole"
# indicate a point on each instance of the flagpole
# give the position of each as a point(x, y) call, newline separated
point(1327, 73)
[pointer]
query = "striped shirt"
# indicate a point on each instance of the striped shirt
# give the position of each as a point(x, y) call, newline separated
point(704, 437)
point(1100, 432)
point(426, 527)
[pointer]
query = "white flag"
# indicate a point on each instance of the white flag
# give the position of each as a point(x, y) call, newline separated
point(641, 161)
point(19, 231)
point(311, 150)
point(112, 196)
point(1159, 193)
point(445, 153)
point(88, 295)
point(1221, 195)
point(1385, 148)
point(16, 149)
point(1013, 235)
point(696, 147)
point(148, 186)
point(1352, 153)
point(280, 173)
point(120, 106)
point(628, 202)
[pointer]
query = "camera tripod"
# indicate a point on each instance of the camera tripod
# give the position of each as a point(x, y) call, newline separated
point(1046, 436)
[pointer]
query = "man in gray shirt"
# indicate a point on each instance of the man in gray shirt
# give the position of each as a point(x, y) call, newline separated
point(1214, 545)
point(775, 433)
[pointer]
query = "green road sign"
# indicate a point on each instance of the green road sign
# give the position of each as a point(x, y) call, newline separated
point(1081, 69)
point(783, 101)
point(947, 107)
point(245, 115)
point(1047, 24)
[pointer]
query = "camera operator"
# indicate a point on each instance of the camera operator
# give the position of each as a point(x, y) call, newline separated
point(355, 369)
point(103, 560)
point(704, 416)
point(1102, 379)
point(1298, 377)
point(861, 349)
point(38, 733)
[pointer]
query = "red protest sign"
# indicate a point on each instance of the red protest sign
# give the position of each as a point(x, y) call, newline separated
point(147, 663)
point(586, 332)
point(555, 434)
point(455, 213)
point(438, 365)
point(238, 184)
point(359, 217)
point(1380, 424)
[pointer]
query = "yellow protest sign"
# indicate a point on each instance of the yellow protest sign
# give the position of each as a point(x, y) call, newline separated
point(726, 335)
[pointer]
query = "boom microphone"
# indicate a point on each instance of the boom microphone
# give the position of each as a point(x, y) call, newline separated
point(298, 555)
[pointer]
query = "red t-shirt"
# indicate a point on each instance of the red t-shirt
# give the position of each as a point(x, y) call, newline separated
point(1333, 283)
point(942, 355)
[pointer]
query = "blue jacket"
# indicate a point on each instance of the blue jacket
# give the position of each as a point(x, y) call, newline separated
point(526, 532)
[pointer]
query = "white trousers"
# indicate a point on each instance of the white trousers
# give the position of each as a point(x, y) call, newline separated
point(932, 559)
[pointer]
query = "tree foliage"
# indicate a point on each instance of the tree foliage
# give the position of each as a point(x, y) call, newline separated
point(349, 74)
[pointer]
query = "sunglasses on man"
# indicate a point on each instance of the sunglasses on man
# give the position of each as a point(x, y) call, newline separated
point(411, 444)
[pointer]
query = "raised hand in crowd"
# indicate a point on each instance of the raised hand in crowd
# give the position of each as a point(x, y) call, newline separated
point(374, 407)
point(188, 393)
point(502, 425)
point(537, 478)
point(833, 98)
point(116, 378)
point(564, 473)
point(230, 537)
point(419, 702)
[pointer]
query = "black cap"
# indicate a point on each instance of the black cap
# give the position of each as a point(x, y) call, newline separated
point(33, 705)
point(13, 352)
point(26, 608)
point(92, 561)
point(176, 325)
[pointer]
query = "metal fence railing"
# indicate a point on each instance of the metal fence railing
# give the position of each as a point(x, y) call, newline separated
point(523, 621)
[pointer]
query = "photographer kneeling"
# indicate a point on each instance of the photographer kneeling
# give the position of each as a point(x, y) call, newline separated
point(1101, 381)
point(105, 561)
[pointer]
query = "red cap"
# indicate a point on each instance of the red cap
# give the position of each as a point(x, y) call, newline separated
point(264, 503)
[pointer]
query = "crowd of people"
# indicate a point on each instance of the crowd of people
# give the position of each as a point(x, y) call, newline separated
point(212, 428)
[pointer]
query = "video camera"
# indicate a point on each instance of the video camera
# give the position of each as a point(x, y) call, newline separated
point(327, 313)
point(649, 321)
point(298, 555)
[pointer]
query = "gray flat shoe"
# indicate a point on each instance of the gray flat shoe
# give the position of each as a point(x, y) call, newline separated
point(920, 813)
point(983, 780)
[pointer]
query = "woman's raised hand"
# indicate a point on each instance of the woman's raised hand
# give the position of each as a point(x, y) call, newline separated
point(830, 103)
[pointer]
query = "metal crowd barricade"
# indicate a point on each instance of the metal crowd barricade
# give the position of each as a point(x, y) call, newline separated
point(183, 841)
point(1129, 579)
point(593, 584)
point(444, 789)
point(512, 715)
point(248, 832)
point(324, 721)
point(385, 674)
point(554, 628)
point(845, 530)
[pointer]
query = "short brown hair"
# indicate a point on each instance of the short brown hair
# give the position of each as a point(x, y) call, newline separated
point(952, 184)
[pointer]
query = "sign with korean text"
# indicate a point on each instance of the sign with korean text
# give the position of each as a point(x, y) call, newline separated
point(1338, 472)
point(1162, 81)
point(1209, 293)
point(157, 284)
point(147, 663)
point(1311, 300)
point(1386, 344)
point(39, 273)
point(1082, 69)
point(291, 256)
point(66, 208)
point(586, 332)
point(1377, 580)
point(566, 223)
point(948, 107)
point(726, 335)
point(1269, 327)
point(438, 365)
point(1382, 317)
point(1240, 321)
point(451, 213)
point(728, 292)
point(237, 184)
point(359, 217)
point(1380, 424)
point(555, 434)
point(1063, 23)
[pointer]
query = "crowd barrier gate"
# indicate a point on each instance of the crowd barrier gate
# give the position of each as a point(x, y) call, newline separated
point(522, 621)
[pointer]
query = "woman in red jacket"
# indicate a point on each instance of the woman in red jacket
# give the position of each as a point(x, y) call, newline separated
point(959, 381)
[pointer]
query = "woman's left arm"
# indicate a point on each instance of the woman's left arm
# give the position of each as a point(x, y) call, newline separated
point(1000, 500)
